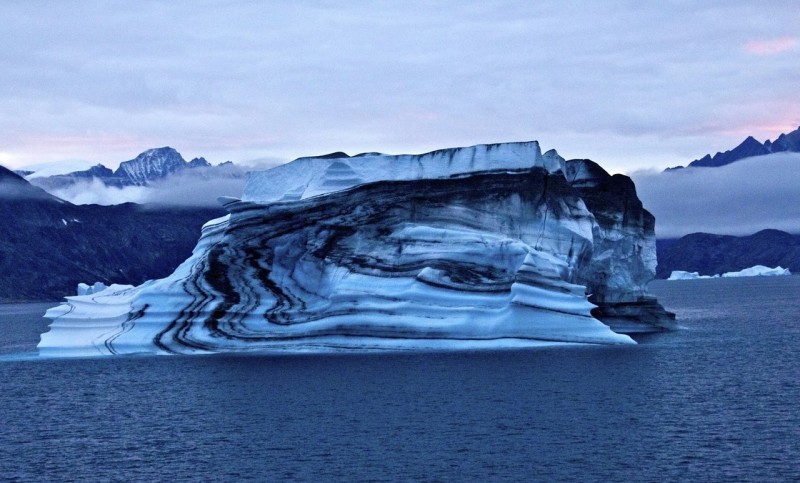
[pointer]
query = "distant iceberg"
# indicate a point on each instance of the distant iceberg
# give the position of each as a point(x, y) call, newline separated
point(681, 275)
point(759, 271)
point(756, 271)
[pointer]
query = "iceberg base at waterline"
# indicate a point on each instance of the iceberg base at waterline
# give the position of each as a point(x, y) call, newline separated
point(450, 256)
point(499, 324)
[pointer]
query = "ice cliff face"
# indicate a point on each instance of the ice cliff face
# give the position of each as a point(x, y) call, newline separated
point(486, 246)
point(623, 258)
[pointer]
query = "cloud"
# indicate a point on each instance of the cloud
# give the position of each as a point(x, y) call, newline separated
point(43, 170)
point(197, 187)
point(770, 47)
point(95, 192)
point(737, 199)
point(191, 187)
point(612, 81)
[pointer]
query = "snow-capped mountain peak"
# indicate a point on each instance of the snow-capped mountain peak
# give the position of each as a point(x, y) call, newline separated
point(149, 165)
point(750, 147)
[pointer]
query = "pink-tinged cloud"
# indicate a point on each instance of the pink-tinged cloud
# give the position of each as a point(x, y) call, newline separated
point(770, 47)
point(761, 131)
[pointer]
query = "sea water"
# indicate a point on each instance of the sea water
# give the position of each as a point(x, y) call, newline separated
point(716, 400)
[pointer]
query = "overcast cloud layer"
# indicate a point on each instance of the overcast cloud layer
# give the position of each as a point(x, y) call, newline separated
point(629, 84)
point(738, 199)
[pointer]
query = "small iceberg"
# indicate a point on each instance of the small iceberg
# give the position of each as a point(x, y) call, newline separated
point(756, 271)
point(86, 289)
point(759, 271)
point(681, 275)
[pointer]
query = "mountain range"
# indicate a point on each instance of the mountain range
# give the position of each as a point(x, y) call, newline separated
point(48, 245)
point(149, 166)
point(748, 148)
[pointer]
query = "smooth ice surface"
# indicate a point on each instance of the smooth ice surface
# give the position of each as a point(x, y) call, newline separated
point(307, 177)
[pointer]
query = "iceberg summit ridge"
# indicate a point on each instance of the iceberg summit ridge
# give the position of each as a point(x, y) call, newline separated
point(313, 176)
point(481, 247)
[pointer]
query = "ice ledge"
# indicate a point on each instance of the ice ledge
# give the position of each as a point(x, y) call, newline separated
point(307, 177)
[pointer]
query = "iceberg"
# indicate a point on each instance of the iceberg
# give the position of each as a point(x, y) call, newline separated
point(489, 246)
point(86, 289)
point(681, 275)
point(759, 271)
point(756, 271)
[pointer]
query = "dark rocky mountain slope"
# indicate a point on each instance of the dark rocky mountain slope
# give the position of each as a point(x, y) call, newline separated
point(748, 148)
point(47, 245)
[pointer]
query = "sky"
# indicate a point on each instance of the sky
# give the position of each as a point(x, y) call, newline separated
point(632, 85)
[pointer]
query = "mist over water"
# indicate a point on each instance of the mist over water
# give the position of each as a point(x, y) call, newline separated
point(190, 187)
point(737, 199)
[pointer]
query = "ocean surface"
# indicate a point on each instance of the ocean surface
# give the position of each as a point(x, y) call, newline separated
point(718, 400)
